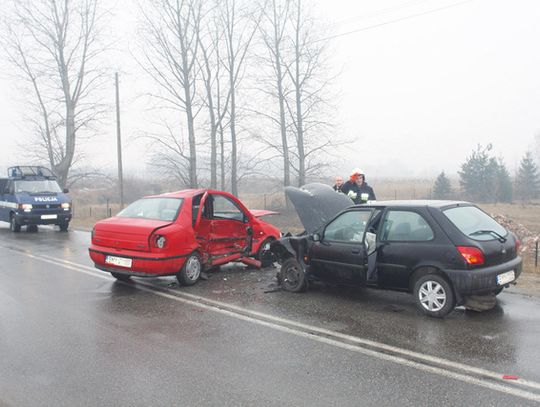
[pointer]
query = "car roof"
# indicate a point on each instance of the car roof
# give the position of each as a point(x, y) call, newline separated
point(410, 203)
point(188, 193)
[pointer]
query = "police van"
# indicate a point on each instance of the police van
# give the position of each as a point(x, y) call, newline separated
point(31, 196)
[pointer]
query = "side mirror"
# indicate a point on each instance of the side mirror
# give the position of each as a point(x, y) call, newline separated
point(65, 191)
point(316, 237)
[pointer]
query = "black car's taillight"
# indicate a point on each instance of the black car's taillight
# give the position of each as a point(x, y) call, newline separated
point(472, 255)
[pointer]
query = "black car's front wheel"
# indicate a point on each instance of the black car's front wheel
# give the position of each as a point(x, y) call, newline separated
point(292, 276)
point(434, 296)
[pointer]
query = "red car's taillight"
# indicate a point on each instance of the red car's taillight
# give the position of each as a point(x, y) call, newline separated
point(472, 255)
point(159, 241)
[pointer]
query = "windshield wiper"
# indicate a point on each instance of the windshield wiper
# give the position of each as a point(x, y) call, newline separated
point(501, 238)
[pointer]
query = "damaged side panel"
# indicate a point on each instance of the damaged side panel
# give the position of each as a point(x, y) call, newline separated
point(291, 247)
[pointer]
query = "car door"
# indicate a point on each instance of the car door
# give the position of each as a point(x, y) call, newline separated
point(405, 239)
point(340, 254)
point(225, 224)
point(6, 199)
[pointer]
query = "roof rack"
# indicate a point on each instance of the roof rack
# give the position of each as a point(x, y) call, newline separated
point(30, 171)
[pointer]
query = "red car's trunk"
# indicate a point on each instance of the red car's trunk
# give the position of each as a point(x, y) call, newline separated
point(126, 233)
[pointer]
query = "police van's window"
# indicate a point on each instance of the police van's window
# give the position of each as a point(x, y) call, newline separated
point(37, 187)
point(153, 208)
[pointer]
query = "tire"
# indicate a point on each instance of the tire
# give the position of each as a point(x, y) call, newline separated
point(264, 255)
point(32, 228)
point(191, 270)
point(434, 296)
point(498, 290)
point(13, 225)
point(63, 227)
point(292, 276)
point(121, 277)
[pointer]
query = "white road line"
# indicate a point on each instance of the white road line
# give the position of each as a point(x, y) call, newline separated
point(330, 337)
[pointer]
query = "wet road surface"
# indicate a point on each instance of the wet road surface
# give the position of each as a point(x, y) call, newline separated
point(72, 335)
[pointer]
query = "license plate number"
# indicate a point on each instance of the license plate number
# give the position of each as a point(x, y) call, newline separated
point(506, 278)
point(118, 261)
point(49, 216)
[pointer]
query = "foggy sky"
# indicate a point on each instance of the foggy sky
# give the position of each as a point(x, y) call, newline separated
point(419, 87)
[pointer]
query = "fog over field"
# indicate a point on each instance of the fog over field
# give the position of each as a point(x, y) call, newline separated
point(416, 86)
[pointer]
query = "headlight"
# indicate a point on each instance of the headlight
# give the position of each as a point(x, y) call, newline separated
point(160, 241)
point(26, 207)
point(65, 206)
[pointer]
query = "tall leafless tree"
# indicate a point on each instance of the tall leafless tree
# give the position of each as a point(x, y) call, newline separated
point(55, 46)
point(273, 30)
point(309, 107)
point(217, 94)
point(171, 51)
point(240, 21)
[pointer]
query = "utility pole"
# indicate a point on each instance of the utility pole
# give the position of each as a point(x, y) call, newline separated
point(119, 143)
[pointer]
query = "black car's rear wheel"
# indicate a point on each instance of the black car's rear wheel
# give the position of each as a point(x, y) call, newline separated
point(191, 271)
point(433, 295)
point(292, 276)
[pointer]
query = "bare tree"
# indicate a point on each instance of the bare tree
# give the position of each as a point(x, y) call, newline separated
point(273, 30)
point(171, 52)
point(240, 23)
point(55, 45)
point(309, 106)
point(217, 95)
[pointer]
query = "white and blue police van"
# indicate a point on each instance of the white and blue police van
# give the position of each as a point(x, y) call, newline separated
point(31, 196)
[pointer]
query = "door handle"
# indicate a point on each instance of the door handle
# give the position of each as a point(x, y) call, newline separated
point(355, 251)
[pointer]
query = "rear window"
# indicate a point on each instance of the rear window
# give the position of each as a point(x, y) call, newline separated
point(164, 209)
point(475, 223)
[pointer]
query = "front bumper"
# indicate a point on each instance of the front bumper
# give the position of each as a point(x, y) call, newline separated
point(482, 280)
point(143, 264)
point(28, 218)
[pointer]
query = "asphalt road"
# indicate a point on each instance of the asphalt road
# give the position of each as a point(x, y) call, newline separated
point(70, 335)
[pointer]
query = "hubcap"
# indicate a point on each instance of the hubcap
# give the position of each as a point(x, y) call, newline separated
point(193, 268)
point(432, 296)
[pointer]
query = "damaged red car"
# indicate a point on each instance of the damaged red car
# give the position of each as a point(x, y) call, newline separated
point(181, 233)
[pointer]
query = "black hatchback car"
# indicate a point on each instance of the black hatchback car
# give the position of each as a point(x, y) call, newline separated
point(441, 251)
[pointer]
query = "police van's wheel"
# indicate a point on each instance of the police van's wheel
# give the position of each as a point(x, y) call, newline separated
point(13, 225)
point(64, 226)
point(191, 271)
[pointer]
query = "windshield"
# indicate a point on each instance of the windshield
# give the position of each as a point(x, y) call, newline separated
point(37, 187)
point(153, 208)
point(475, 223)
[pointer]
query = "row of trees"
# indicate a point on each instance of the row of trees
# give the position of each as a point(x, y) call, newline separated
point(208, 59)
point(484, 178)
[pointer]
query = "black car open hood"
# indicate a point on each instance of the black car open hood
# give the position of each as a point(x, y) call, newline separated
point(316, 204)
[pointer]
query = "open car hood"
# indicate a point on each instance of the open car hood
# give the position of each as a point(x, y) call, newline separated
point(316, 204)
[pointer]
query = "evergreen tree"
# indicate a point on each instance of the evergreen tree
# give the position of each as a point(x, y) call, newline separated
point(527, 179)
point(503, 183)
point(442, 188)
point(478, 175)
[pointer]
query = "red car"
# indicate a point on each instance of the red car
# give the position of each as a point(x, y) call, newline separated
point(181, 233)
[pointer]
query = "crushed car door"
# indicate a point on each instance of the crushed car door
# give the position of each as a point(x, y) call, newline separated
point(340, 255)
point(225, 225)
